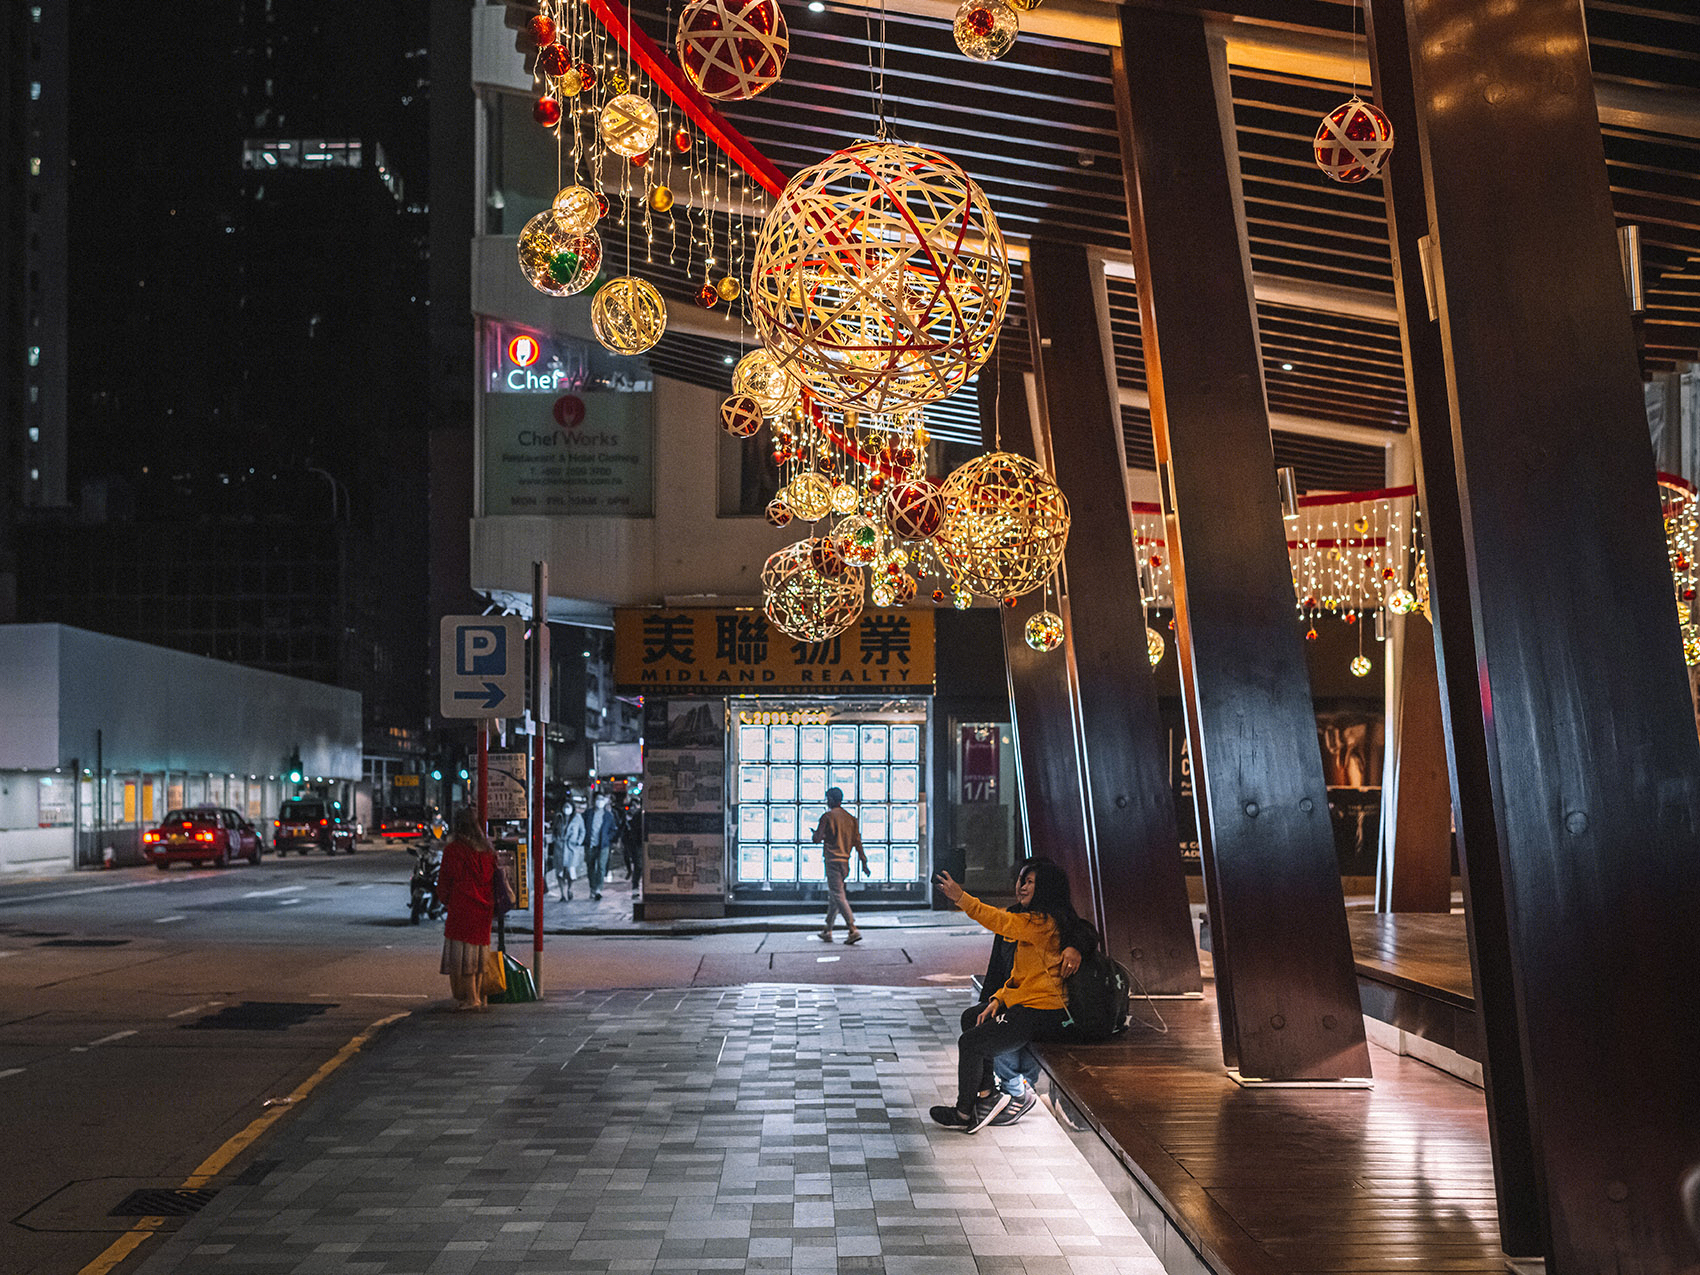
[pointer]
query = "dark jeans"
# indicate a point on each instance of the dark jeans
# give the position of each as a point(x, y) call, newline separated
point(595, 866)
point(1003, 1070)
point(1003, 1034)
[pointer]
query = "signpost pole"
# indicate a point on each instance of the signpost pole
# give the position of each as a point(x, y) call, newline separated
point(483, 775)
point(539, 716)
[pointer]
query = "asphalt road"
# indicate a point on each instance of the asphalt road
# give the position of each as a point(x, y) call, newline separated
point(147, 1018)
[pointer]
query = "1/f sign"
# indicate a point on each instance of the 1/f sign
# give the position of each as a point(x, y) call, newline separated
point(978, 747)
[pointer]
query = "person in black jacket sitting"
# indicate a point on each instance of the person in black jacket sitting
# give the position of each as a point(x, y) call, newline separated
point(1017, 1072)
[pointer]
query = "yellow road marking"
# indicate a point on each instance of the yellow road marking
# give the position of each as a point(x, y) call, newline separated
point(128, 1242)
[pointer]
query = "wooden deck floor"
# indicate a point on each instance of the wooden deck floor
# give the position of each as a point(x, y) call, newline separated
point(1284, 1181)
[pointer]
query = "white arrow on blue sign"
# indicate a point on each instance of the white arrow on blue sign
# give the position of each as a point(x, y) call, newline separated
point(483, 666)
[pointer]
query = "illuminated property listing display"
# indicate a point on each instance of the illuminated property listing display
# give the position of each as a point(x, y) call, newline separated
point(786, 761)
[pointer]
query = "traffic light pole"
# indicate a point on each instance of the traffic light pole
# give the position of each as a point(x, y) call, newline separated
point(539, 720)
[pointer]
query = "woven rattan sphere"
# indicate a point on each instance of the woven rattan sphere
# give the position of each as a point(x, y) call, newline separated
point(1005, 525)
point(810, 496)
point(733, 49)
point(914, 509)
point(577, 209)
point(628, 315)
point(804, 603)
point(759, 375)
point(1044, 631)
point(556, 260)
point(1353, 141)
point(740, 416)
point(628, 125)
point(880, 277)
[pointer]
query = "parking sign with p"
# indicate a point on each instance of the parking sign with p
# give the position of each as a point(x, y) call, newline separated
point(483, 666)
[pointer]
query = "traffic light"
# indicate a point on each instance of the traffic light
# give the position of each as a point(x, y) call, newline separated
point(436, 774)
point(295, 769)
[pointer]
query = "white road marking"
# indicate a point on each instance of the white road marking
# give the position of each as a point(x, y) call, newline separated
point(194, 1009)
point(162, 920)
point(8, 953)
point(823, 959)
point(283, 903)
point(107, 1040)
point(367, 886)
point(11, 1071)
point(266, 894)
point(384, 996)
point(95, 889)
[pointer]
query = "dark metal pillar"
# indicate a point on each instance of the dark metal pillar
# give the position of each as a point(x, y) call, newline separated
point(1591, 775)
point(1286, 985)
point(1140, 883)
point(1041, 714)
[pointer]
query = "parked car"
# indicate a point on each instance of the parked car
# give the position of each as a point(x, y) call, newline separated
point(199, 835)
point(304, 823)
point(411, 823)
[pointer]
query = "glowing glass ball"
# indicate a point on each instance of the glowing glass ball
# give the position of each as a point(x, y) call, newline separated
point(1154, 646)
point(1401, 602)
point(962, 599)
point(810, 496)
point(576, 209)
point(880, 277)
point(541, 30)
point(628, 125)
point(728, 288)
point(859, 538)
point(682, 140)
point(986, 29)
point(733, 49)
point(707, 297)
point(547, 112)
point(1353, 142)
point(556, 260)
point(777, 513)
point(1360, 666)
point(759, 375)
point(740, 416)
point(552, 60)
point(1045, 631)
point(569, 83)
point(1005, 525)
point(628, 315)
point(914, 509)
point(661, 199)
point(882, 592)
point(844, 498)
point(805, 603)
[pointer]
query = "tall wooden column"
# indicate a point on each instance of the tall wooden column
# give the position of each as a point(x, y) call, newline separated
point(1575, 676)
point(1416, 871)
point(1453, 663)
point(1130, 811)
point(1286, 986)
point(1041, 714)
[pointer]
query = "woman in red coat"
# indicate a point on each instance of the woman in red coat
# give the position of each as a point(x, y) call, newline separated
point(466, 882)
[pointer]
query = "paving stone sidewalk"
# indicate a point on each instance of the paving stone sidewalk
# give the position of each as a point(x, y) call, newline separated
point(765, 1127)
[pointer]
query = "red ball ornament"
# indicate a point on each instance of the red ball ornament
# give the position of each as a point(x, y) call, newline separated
point(1156, 559)
point(552, 60)
point(586, 75)
point(876, 482)
point(547, 112)
point(1010, 602)
point(707, 297)
point(979, 22)
point(938, 595)
point(682, 141)
point(640, 159)
point(601, 205)
point(1353, 142)
point(1311, 636)
point(914, 509)
point(733, 49)
point(541, 30)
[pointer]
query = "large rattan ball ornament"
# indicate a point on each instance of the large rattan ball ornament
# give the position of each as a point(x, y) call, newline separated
point(628, 315)
point(828, 558)
point(986, 29)
point(1154, 646)
point(628, 125)
point(805, 603)
point(733, 49)
point(880, 277)
point(740, 416)
point(859, 538)
point(555, 260)
point(1045, 631)
point(1353, 141)
point(1005, 525)
point(810, 496)
point(759, 375)
point(577, 210)
point(914, 508)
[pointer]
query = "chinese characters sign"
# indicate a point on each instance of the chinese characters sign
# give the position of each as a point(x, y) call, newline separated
point(732, 651)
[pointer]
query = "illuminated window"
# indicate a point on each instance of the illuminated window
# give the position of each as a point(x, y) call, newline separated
point(35, 356)
point(35, 165)
point(35, 434)
point(35, 90)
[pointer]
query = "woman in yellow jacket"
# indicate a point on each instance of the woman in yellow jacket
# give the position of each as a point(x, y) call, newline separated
point(1030, 1004)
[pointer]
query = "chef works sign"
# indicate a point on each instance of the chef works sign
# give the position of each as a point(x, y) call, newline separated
point(590, 452)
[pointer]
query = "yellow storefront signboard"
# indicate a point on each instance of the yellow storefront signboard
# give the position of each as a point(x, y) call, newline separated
point(734, 652)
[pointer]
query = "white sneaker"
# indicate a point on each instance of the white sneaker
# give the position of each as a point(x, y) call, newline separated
point(825, 936)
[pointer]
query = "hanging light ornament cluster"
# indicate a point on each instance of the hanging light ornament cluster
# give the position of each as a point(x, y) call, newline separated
point(1682, 539)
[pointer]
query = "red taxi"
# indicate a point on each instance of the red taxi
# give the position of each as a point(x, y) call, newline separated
point(411, 823)
point(201, 835)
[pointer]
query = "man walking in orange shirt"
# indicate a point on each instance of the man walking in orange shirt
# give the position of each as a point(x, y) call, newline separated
point(839, 832)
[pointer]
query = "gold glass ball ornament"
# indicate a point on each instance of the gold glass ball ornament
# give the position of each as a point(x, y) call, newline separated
point(961, 599)
point(569, 83)
point(859, 538)
point(577, 210)
point(810, 496)
point(628, 125)
point(803, 602)
point(1690, 645)
point(986, 29)
point(914, 508)
point(660, 199)
point(1154, 646)
point(1005, 524)
point(777, 513)
point(1360, 666)
point(1025, 6)
point(1401, 602)
point(1353, 141)
point(1045, 631)
point(759, 375)
point(881, 592)
point(844, 498)
point(628, 315)
point(733, 49)
point(729, 288)
point(880, 277)
point(740, 416)
point(555, 260)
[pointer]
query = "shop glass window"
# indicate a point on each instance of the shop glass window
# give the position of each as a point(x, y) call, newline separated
point(782, 783)
point(811, 743)
point(752, 783)
point(782, 743)
point(906, 743)
point(876, 785)
point(811, 783)
point(841, 743)
point(782, 863)
point(874, 743)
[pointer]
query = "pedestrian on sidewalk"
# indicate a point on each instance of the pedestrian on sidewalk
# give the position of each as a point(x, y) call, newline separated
point(1016, 1073)
point(557, 833)
point(839, 833)
point(631, 842)
point(1028, 1005)
point(467, 884)
point(572, 857)
point(597, 841)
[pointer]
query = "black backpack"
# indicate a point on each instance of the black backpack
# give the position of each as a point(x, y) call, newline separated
point(1098, 998)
